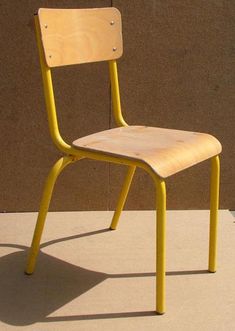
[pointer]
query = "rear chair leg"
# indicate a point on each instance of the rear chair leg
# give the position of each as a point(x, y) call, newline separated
point(122, 197)
point(214, 204)
point(45, 202)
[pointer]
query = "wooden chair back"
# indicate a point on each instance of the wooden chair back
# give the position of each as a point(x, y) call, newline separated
point(74, 36)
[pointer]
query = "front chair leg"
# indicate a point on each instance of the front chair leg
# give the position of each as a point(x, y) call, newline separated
point(122, 196)
point(214, 204)
point(45, 202)
point(161, 245)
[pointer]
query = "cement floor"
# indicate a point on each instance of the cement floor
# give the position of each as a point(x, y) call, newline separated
point(89, 278)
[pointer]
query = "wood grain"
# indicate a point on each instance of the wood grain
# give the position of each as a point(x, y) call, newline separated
point(73, 36)
point(166, 151)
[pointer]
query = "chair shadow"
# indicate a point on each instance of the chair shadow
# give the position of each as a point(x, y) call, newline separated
point(26, 299)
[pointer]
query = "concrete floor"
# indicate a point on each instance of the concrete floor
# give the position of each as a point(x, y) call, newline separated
point(90, 278)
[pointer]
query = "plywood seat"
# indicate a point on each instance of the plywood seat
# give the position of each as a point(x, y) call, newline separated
point(166, 151)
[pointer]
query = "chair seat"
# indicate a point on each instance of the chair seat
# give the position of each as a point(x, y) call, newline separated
point(166, 151)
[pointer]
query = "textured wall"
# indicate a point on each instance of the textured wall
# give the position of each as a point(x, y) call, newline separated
point(177, 71)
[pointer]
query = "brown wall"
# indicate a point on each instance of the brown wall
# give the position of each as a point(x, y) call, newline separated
point(177, 71)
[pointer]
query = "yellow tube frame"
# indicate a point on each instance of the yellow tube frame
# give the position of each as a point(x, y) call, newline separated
point(45, 202)
point(214, 205)
point(122, 197)
point(72, 155)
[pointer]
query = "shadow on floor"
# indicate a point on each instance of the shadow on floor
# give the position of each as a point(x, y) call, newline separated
point(29, 299)
point(233, 213)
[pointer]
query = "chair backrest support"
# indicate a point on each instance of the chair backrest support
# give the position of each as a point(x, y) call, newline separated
point(42, 23)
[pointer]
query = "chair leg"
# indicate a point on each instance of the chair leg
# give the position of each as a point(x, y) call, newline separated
point(161, 245)
point(214, 204)
point(45, 202)
point(122, 197)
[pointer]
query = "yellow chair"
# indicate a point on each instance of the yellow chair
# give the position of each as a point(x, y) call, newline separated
point(74, 36)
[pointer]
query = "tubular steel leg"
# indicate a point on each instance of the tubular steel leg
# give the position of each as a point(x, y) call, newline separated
point(123, 196)
point(161, 245)
point(45, 202)
point(214, 204)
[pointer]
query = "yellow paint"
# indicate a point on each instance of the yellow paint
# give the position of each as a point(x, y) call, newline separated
point(115, 94)
point(122, 197)
point(46, 198)
point(161, 245)
point(214, 205)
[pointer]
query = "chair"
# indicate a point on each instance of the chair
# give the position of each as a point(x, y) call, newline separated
point(74, 36)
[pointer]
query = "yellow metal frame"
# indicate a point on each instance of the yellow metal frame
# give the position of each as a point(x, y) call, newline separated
point(72, 155)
